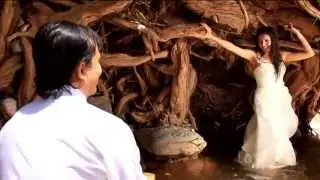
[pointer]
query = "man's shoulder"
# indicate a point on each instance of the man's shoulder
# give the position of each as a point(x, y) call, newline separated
point(104, 118)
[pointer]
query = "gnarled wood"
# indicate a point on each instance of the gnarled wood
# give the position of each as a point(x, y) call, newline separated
point(90, 12)
point(26, 90)
point(7, 18)
point(307, 6)
point(125, 60)
point(123, 103)
point(147, 45)
point(142, 83)
point(183, 83)
point(8, 69)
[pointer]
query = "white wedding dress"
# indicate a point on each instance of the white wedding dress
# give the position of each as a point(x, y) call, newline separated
point(266, 142)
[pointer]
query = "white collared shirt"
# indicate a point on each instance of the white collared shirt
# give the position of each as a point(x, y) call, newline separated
point(67, 139)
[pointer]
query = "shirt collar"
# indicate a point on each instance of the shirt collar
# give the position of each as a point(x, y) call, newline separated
point(71, 91)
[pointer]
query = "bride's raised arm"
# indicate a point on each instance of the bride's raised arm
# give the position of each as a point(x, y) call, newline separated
point(308, 51)
point(244, 53)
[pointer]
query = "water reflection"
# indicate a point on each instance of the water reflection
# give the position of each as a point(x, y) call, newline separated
point(208, 169)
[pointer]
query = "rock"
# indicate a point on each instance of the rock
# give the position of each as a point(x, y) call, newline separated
point(149, 176)
point(102, 102)
point(315, 125)
point(15, 46)
point(171, 142)
point(9, 107)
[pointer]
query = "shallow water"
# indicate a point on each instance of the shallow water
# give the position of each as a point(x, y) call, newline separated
point(219, 164)
point(206, 168)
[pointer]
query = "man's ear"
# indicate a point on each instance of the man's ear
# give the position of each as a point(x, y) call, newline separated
point(81, 72)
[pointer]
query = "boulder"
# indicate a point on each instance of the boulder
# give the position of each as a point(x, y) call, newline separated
point(171, 142)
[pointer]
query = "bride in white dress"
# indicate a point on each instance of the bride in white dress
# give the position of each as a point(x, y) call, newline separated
point(266, 143)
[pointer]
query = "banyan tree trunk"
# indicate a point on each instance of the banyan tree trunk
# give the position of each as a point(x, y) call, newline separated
point(156, 70)
point(183, 83)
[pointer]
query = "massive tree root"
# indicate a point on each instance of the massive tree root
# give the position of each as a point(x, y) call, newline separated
point(156, 68)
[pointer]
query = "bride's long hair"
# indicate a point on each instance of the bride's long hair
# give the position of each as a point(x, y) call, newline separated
point(275, 47)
